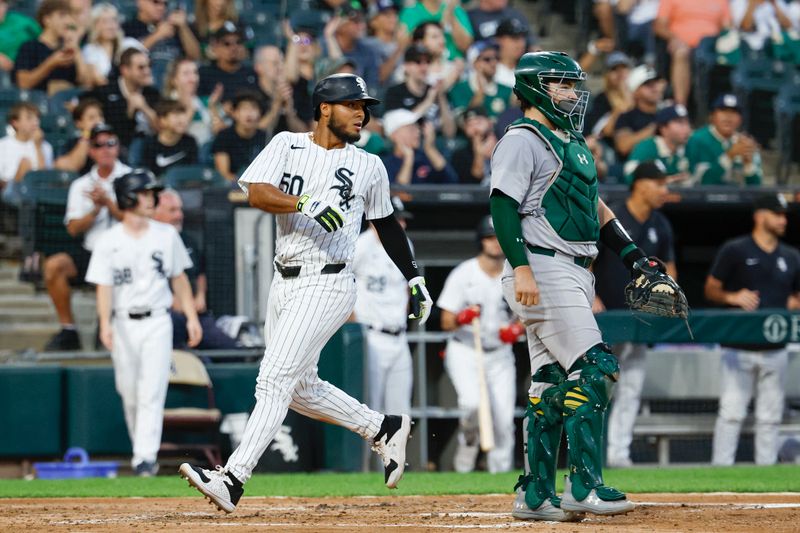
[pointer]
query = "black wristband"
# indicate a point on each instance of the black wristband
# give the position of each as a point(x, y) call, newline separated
point(613, 235)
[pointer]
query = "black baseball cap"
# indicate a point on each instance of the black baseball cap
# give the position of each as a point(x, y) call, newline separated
point(726, 101)
point(511, 27)
point(667, 114)
point(415, 53)
point(650, 170)
point(616, 59)
point(99, 129)
point(774, 202)
point(229, 28)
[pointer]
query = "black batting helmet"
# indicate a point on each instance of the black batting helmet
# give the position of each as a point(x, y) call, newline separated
point(342, 88)
point(139, 179)
point(485, 229)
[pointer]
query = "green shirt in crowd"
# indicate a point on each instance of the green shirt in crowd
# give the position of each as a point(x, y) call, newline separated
point(413, 16)
point(15, 30)
point(496, 99)
point(655, 148)
point(709, 162)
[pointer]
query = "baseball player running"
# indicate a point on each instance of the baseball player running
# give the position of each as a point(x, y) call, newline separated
point(473, 289)
point(319, 186)
point(548, 218)
point(382, 305)
point(133, 265)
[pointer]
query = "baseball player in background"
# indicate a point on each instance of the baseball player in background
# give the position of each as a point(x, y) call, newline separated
point(473, 289)
point(652, 232)
point(548, 219)
point(750, 272)
point(319, 186)
point(382, 306)
point(134, 264)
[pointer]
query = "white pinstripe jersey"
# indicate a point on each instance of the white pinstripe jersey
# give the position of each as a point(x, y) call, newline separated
point(350, 179)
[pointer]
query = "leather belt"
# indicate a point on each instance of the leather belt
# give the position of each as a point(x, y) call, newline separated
point(394, 332)
point(139, 314)
point(581, 261)
point(294, 271)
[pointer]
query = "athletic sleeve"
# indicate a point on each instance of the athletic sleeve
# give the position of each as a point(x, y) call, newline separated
point(377, 203)
point(268, 165)
point(99, 270)
point(722, 268)
point(452, 297)
point(512, 163)
point(180, 257)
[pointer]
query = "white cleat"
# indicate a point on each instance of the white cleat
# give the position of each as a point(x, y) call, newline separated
point(546, 512)
point(592, 503)
point(390, 444)
point(220, 487)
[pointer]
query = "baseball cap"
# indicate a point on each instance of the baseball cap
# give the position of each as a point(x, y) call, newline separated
point(480, 47)
point(327, 66)
point(382, 5)
point(511, 27)
point(229, 28)
point(415, 53)
point(641, 75)
point(650, 170)
point(774, 202)
point(670, 113)
point(99, 129)
point(396, 119)
point(352, 10)
point(726, 101)
point(400, 209)
point(471, 112)
point(616, 59)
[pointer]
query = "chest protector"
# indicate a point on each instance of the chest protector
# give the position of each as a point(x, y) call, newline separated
point(570, 201)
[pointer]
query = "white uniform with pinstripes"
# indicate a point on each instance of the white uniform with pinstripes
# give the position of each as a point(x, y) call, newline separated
point(304, 312)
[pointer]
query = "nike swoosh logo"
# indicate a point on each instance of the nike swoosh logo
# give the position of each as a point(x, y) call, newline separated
point(165, 161)
point(293, 147)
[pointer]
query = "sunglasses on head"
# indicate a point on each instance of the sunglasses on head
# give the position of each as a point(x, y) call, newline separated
point(110, 143)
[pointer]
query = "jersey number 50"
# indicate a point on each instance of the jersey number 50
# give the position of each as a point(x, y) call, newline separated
point(292, 184)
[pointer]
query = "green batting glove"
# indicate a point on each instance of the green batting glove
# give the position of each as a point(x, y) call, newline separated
point(324, 214)
point(420, 300)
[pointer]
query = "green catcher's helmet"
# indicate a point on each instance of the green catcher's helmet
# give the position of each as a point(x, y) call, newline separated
point(532, 75)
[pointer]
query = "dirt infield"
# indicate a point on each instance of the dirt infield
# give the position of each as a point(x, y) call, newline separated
point(655, 512)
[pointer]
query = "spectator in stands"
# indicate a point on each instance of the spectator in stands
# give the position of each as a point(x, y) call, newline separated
point(683, 24)
point(604, 14)
point(302, 51)
point(91, 209)
point(668, 146)
point(639, 15)
point(86, 115)
point(751, 272)
point(430, 36)
point(228, 69)
point(236, 147)
point(487, 17)
point(282, 114)
point(640, 216)
point(613, 101)
point(383, 30)
point(511, 38)
point(345, 36)
point(166, 35)
point(718, 153)
point(53, 61)
point(106, 42)
point(449, 15)
point(128, 104)
point(472, 163)
point(23, 150)
point(416, 95)
point(171, 146)
point(209, 17)
point(408, 164)
point(640, 122)
point(480, 89)
point(15, 29)
point(170, 211)
point(760, 20)
point(181, 83)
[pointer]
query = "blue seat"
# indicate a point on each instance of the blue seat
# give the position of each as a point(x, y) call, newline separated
point(183, 177)
point(46, 185)
point(10, 96)
point(787, 120)
point(757, 81)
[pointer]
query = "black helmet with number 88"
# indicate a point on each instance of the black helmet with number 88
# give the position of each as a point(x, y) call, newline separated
point(137, 180)
point(342, 88)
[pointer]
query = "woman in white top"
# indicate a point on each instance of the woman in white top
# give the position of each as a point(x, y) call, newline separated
point(105, 41)
point(180, 83)
point(759, 20)
point(430, 35)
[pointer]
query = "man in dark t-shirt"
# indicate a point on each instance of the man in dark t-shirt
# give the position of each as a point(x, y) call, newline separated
point(166, 36)
point(652, 232)
point(752, 272)
point(640, 122)
point(227, 45)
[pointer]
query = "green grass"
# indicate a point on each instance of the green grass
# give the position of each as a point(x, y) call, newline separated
point(690, 479)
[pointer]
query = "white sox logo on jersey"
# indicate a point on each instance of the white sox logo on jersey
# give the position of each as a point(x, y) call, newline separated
point(345, 186)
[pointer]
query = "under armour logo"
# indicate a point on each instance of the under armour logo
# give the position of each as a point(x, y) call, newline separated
point(583, 159)
point(345, 186)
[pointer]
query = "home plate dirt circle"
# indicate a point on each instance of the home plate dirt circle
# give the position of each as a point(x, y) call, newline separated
point(719, 512)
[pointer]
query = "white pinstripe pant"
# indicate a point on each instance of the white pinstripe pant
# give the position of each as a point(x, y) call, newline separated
point(304, 312)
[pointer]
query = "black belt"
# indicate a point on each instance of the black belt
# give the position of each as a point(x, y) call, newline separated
point(581, 261)
point(139, 314)
point(294, 271)
point(395, 332)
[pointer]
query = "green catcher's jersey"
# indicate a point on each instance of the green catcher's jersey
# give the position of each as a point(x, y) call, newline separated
point(710, 164)
point(656, 149)
point(554, 179)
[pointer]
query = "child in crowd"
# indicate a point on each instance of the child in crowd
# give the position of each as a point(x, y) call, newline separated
point(235, 147)
point(25, 150)
point(86, 115)
point(172, 146)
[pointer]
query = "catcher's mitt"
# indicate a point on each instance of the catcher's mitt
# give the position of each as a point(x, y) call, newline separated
point(653, 291)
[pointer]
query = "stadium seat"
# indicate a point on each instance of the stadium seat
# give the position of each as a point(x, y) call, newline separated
point(193, 177)
point(47, 185)
point(787, 117)
point(59, 100)
point(9, 97)
point(710, 77)
point(188, 374)
point(41, 222)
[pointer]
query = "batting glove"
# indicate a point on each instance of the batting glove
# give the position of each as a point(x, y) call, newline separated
point(326, 216)
point(510, 333)
point(420, 300)
point(466, 316)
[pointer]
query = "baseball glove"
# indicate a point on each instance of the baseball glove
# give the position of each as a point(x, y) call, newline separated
point(653, 291)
